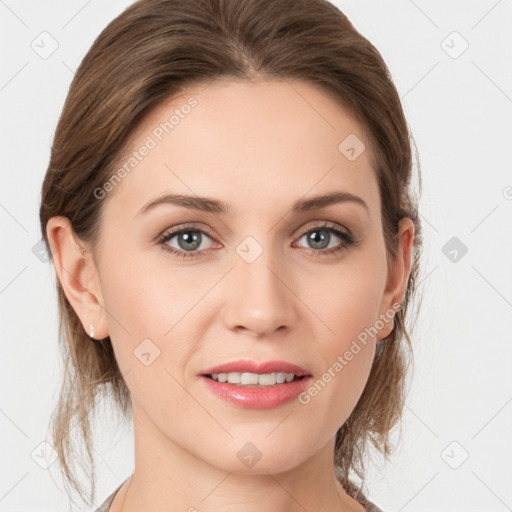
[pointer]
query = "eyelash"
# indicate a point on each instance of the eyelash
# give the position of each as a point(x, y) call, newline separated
point(347, 240)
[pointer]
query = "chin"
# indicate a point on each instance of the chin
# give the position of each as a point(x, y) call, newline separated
point(260, 458)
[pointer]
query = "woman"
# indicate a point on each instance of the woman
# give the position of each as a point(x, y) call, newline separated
point(229, 213)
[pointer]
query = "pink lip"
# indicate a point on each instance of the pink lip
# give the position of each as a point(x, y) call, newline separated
point(244, 365)
point(257, 397)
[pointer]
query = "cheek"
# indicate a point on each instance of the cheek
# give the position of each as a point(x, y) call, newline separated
point(347, 309)
point(345, 298)
point(148, 301)
point(139, 313)
point(148, 327)
point(152, 323)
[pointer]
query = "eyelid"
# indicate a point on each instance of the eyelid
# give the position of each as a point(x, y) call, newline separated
point(326, 224)
point(188, 225)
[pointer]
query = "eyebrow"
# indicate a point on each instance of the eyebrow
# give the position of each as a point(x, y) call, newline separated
point(210, 205)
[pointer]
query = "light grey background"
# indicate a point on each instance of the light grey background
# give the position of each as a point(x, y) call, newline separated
point(458, 102)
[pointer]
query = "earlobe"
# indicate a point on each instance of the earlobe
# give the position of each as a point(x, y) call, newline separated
point(76, 271)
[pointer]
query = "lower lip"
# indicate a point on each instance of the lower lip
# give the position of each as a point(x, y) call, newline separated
point(258, 397)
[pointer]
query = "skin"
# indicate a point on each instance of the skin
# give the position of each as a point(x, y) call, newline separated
point(259, 147)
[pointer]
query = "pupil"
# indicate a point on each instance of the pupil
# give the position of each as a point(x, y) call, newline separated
point(317, 241)
point(189, 237)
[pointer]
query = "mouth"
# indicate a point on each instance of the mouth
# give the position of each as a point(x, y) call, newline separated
point(254, 379)
point(245, 372)
point(257, 385)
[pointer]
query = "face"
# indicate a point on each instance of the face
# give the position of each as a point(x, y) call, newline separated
point(272, 277)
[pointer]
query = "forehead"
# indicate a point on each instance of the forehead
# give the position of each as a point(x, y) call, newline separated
point(255, 141)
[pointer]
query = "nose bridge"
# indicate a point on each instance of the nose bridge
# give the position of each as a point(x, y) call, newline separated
point(259, 299)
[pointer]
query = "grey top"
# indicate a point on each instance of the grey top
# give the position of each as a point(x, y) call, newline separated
point(369, 506)
point(106, 504)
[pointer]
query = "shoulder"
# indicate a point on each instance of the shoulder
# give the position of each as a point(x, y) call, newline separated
point(356, 493)
point(108, 501)
point(371, 507)
point(106, 504)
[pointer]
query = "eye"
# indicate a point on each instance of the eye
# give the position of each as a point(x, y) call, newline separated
point(189, 240)
point(320, 239)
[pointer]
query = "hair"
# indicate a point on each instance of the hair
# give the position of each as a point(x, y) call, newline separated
point(149, 53)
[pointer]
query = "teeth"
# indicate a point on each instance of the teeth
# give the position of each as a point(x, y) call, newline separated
point(234, 378)
point(253, 379)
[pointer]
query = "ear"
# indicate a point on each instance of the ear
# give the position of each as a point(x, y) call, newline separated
point(398, 275)
point(78, 275)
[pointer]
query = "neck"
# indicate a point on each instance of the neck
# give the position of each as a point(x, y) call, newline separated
point(166, 477)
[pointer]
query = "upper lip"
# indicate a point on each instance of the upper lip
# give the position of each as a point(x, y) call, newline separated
point(244, 365)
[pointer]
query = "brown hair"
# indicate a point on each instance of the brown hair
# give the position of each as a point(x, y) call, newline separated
point(144, 57)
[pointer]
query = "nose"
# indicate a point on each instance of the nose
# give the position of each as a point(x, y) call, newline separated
point(260, 298)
